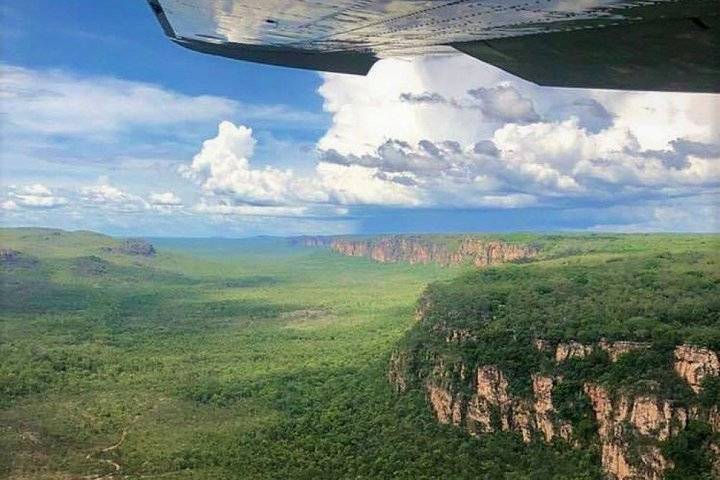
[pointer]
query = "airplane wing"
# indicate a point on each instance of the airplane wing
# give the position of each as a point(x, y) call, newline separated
point(663, 45)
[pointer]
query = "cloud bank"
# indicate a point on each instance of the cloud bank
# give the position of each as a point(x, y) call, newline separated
point(429, 134)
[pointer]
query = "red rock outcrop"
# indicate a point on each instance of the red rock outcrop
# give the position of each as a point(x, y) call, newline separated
point(542, 389)
point(418, 250)
point(624, 416)
point(693, 364)
point(631, 426)
point(566, 351)
point(458, 335)
point(443, 403)
point(570, 350)
point(492, 407)
point(616, 349)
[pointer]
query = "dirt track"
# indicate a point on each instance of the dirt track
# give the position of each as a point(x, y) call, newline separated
point(116, 467)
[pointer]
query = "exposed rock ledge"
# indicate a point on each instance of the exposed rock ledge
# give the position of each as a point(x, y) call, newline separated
point(566, 351)
point(132, 246)
point(15, 258)
point(695, 364)
point(644, 416)
point(462, 250)
point(492, 408)
point(630, 426)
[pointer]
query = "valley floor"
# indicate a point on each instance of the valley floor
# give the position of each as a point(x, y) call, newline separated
point(217, 359)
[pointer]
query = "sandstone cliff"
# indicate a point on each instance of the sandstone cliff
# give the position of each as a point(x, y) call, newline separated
point(132, 246)
point(694, 364)
point(491, 407)
point(630, 426)
point(447, 251)
point(591, 355)
point(467, 250)
point(310, 241)
point(626, 417)
point(568, 350)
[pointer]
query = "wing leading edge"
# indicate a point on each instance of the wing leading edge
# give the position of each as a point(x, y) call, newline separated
point(659, 45)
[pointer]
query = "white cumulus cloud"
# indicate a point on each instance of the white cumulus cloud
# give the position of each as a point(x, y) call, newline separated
point(438, 132)
point(456, 132)
point(223, 169)
point(33, 196)
point(166, 199)
point(105, 196)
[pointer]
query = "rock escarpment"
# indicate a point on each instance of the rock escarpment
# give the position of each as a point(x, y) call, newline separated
point(133, 246)
point(15, 258)
point(630, 427)
point(628, 417)
point(568, 350)
point(490, 407)
point(310, 241)
point(696, 364)
point(611, 363)
point(418, 250)
point(413, 249)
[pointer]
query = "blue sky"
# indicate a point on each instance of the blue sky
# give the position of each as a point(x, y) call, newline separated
point(106, 125)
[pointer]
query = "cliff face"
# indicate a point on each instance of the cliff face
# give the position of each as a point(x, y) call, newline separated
point(695, 364)
point(630, 426)
point(414, 250)
point(132, 246)
point(510, 349)
point(490, 407)
point(566, 351)
point(628, 416)
point(447, 252)
point(310, 241)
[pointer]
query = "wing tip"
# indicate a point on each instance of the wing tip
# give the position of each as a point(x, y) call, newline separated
point(159, 12)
